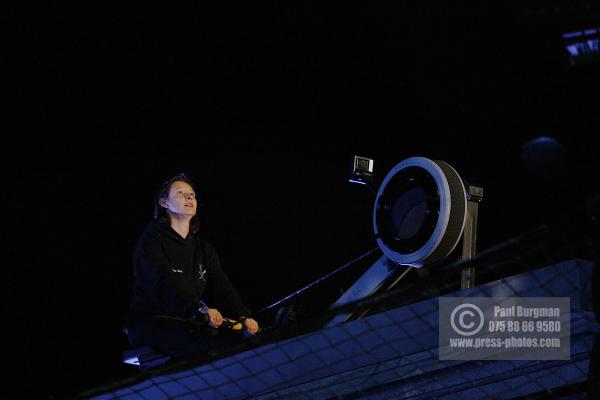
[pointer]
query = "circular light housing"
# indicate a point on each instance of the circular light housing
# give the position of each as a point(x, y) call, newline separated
point(419, 212)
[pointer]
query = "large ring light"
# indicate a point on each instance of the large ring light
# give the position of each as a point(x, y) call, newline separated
point(419, 212)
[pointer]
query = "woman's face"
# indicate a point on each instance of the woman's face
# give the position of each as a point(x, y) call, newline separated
point(181, 199)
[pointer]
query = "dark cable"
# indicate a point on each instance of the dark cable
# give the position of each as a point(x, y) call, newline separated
point(297, 292)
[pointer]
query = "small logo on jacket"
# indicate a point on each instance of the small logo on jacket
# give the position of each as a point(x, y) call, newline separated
point(177, 270)
point(201, 272)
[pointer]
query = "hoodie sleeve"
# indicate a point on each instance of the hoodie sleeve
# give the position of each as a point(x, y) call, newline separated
point(161, 289)
point(220, 292)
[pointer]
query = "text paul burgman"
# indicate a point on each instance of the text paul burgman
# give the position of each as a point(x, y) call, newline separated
point(531, 312)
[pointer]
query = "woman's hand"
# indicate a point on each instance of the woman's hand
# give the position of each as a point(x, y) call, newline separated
point(250, 325)
point(215, 319)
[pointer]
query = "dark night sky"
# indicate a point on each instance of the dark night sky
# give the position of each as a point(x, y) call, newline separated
point(264, 107)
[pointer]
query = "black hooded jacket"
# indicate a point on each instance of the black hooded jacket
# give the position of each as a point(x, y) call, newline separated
point(172, 275)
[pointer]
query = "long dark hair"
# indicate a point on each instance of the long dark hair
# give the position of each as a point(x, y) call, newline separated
point(160, 214)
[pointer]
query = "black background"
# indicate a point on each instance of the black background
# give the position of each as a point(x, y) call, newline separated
point(263, 106)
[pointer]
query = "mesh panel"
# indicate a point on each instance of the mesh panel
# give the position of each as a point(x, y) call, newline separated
point(389, 354)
